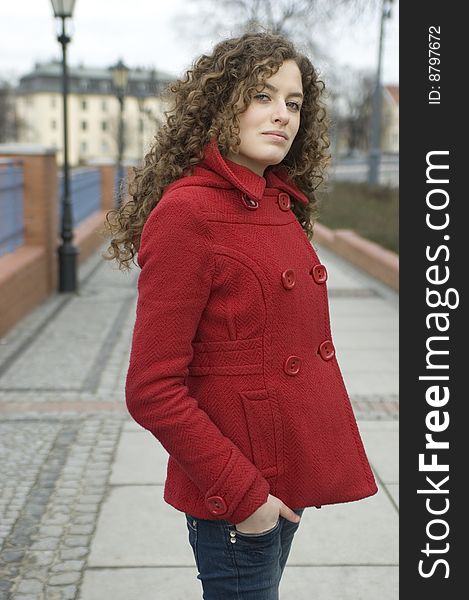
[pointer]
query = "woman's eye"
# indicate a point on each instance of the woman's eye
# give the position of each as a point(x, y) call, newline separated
point(296, 107)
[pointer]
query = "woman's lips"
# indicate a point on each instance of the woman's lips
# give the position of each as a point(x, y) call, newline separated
point(274, 136)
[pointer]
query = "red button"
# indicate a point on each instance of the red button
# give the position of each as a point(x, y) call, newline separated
point(250, 202)
point(292, 365)
point(284, 201)
point(326, 350)
point(319, 273)
point(288, 279)
point(216, 505)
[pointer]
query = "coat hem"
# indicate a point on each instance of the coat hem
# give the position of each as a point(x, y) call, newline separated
point(194, 507)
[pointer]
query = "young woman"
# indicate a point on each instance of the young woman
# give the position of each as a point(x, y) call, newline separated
point(232, 366)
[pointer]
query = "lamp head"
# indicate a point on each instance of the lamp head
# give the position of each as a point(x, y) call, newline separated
point(120, 75)
point(63, 8)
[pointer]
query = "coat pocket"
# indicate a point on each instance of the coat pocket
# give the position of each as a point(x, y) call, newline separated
point(264, 426)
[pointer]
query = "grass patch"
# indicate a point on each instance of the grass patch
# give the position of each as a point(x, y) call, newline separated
point(371, 211)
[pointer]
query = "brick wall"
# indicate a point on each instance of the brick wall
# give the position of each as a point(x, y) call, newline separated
point(30, 273)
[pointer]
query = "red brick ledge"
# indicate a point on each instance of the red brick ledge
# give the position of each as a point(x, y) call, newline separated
point(24, 280)
point(369, 256)
point(23, 284)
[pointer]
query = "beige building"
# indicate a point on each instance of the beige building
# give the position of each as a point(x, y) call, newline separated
point(390, 116)
point(93, 112)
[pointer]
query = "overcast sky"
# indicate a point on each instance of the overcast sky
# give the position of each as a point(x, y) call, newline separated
point(140, 32)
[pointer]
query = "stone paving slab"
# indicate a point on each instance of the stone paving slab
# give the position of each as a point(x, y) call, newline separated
point(340, 583)
point(371, 383)
point(301, 583)
point(70, 345)
point(368, 358)
point(344, 275)
point(140, 459)
point(339, 275)
point(393, 489)
point(382, 448)
point(353, 533)
point(131, 425)
point(365, 339)
point(365, 332)
point(372, 312)
point(141, 584)
point(137, 528)
point(154, 534)
point(377, 425)
point(346, 311)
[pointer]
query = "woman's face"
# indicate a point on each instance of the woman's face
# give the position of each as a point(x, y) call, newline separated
point(275, 109)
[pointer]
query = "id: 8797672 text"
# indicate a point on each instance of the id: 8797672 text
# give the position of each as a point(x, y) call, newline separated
point(434, 75)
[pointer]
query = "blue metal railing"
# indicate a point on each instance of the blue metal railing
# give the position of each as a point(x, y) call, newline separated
point(85, 193)
point(11, 205)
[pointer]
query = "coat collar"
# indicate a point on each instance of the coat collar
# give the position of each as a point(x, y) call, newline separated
point(246, 180)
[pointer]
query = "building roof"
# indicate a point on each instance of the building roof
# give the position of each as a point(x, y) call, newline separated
point(393, 91)
point(47, 77)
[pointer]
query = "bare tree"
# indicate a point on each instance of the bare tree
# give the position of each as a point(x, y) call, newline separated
point(306, 21)
point(8, 119)
point(350, 107)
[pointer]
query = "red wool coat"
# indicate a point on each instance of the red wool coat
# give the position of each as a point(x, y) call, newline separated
point(232, 366)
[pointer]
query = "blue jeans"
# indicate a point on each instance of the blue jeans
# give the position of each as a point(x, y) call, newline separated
point(240, 566)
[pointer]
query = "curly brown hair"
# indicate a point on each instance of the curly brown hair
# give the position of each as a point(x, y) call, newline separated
point(205, 103)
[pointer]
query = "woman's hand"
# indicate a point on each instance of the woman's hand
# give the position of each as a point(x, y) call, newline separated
point(266, 516)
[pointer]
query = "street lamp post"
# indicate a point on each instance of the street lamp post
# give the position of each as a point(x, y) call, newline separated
point(374, 157)
point(67, 252)
point(120, 76)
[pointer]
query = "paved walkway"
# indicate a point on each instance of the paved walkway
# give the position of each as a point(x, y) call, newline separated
point(81, 509)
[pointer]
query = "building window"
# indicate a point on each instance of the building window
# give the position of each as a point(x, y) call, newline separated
point(104, 105)
point(84, 105)
point(140, 125)
point(29, 101)
point(53, 101)
point(103, 125)
point(83, 147)
point(104, 147)
point(53, 124)
point(84, 125)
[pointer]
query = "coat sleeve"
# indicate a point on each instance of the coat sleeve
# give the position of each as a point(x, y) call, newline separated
point(177, 265)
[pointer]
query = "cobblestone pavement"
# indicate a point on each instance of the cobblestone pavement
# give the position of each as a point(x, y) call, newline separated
point(55, 473)
point(62, 410)
point(61, 413)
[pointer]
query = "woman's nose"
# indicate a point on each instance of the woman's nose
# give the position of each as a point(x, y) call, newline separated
point(280, 113)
